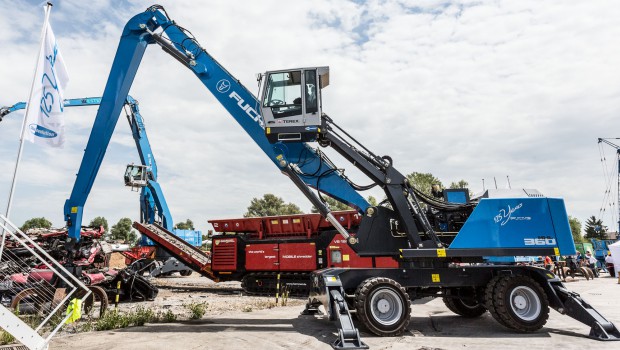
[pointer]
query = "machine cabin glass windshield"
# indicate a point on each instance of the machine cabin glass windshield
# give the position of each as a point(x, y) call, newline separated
point(284, 94)
point(135, 175)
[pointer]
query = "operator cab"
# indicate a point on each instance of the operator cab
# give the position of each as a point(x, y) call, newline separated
point(136, 175)
point(291, 103)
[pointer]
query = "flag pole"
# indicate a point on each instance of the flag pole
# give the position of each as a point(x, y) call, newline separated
point(48, 9)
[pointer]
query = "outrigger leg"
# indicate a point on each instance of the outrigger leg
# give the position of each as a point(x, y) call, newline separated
point(348, 335)
point(572, 305)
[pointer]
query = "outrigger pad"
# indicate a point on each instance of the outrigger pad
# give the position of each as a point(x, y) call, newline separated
point(354, 343)
point(311, 310)
point(577, 308)
point(599, 333)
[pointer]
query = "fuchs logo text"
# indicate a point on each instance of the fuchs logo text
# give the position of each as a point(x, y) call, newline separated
point(251, 112)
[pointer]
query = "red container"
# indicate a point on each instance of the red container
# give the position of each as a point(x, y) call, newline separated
point(286, 225)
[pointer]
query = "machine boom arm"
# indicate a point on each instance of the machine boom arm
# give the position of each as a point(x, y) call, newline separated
point(153, 206)
point(141, 31)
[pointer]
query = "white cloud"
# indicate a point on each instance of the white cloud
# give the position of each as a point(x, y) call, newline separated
point(461, 89)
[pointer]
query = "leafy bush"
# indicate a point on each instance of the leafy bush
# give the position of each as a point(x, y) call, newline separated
point(115, 320)
point(169, 316)
point(140, 316)
point(143, 315)
point(196, 310)
point(6, 338)
point(87, 326)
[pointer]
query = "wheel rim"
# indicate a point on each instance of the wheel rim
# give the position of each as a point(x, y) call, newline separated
point(525, 303)
point(470, 304)
point(386, 306)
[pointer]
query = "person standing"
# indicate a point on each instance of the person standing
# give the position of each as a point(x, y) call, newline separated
point(548, 263)
point(609, 262)
point(591, 262)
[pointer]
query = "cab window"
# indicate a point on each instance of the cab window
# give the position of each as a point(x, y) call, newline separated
point(283, 94)
point(311, 100)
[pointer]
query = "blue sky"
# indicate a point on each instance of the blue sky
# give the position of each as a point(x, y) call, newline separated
point(462, 89)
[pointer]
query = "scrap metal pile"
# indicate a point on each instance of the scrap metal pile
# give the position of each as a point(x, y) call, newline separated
point(21, 273)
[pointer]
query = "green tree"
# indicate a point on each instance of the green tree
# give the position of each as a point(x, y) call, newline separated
point(595, 228)
point(424, 181)
point(332, 204)
point(460, 184)
point(575, 229)
point(98, 222)
point(123, 231)
point(270, 205)
point(36, 223)
point(187, 225)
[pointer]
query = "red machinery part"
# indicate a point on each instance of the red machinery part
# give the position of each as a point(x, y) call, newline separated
point(224, 254)
point(273, 244)
point(285, 256)
point(94, 278)
point(92, 232)
point(297, 256)
point(19, 278)
point(286, 225)
point(39, 275)
point(340, 254)
point(261, 257)
point(140, 252)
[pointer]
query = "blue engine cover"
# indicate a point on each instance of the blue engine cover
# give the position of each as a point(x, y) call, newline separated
point(517, 223)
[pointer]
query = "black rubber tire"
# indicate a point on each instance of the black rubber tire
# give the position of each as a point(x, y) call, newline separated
point(97, 294)
point(584, 272)
point(568, 272)
point(465, 308)
point(186, 273)
point(41, 299)
point(100, 295)
point(535, 298)
point(375, 290)
point(489, 295)
point(559, 271)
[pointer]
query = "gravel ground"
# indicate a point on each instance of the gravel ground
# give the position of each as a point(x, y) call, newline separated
point(221, 298)
point(226, 326)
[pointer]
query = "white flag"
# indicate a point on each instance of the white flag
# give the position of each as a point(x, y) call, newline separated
point(44, 119)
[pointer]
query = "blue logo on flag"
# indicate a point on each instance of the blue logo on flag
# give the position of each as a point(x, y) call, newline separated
point(40, 131)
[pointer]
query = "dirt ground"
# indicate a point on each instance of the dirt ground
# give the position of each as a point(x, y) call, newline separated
point(221, 298)
point(117, 261)
point(235, 321)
